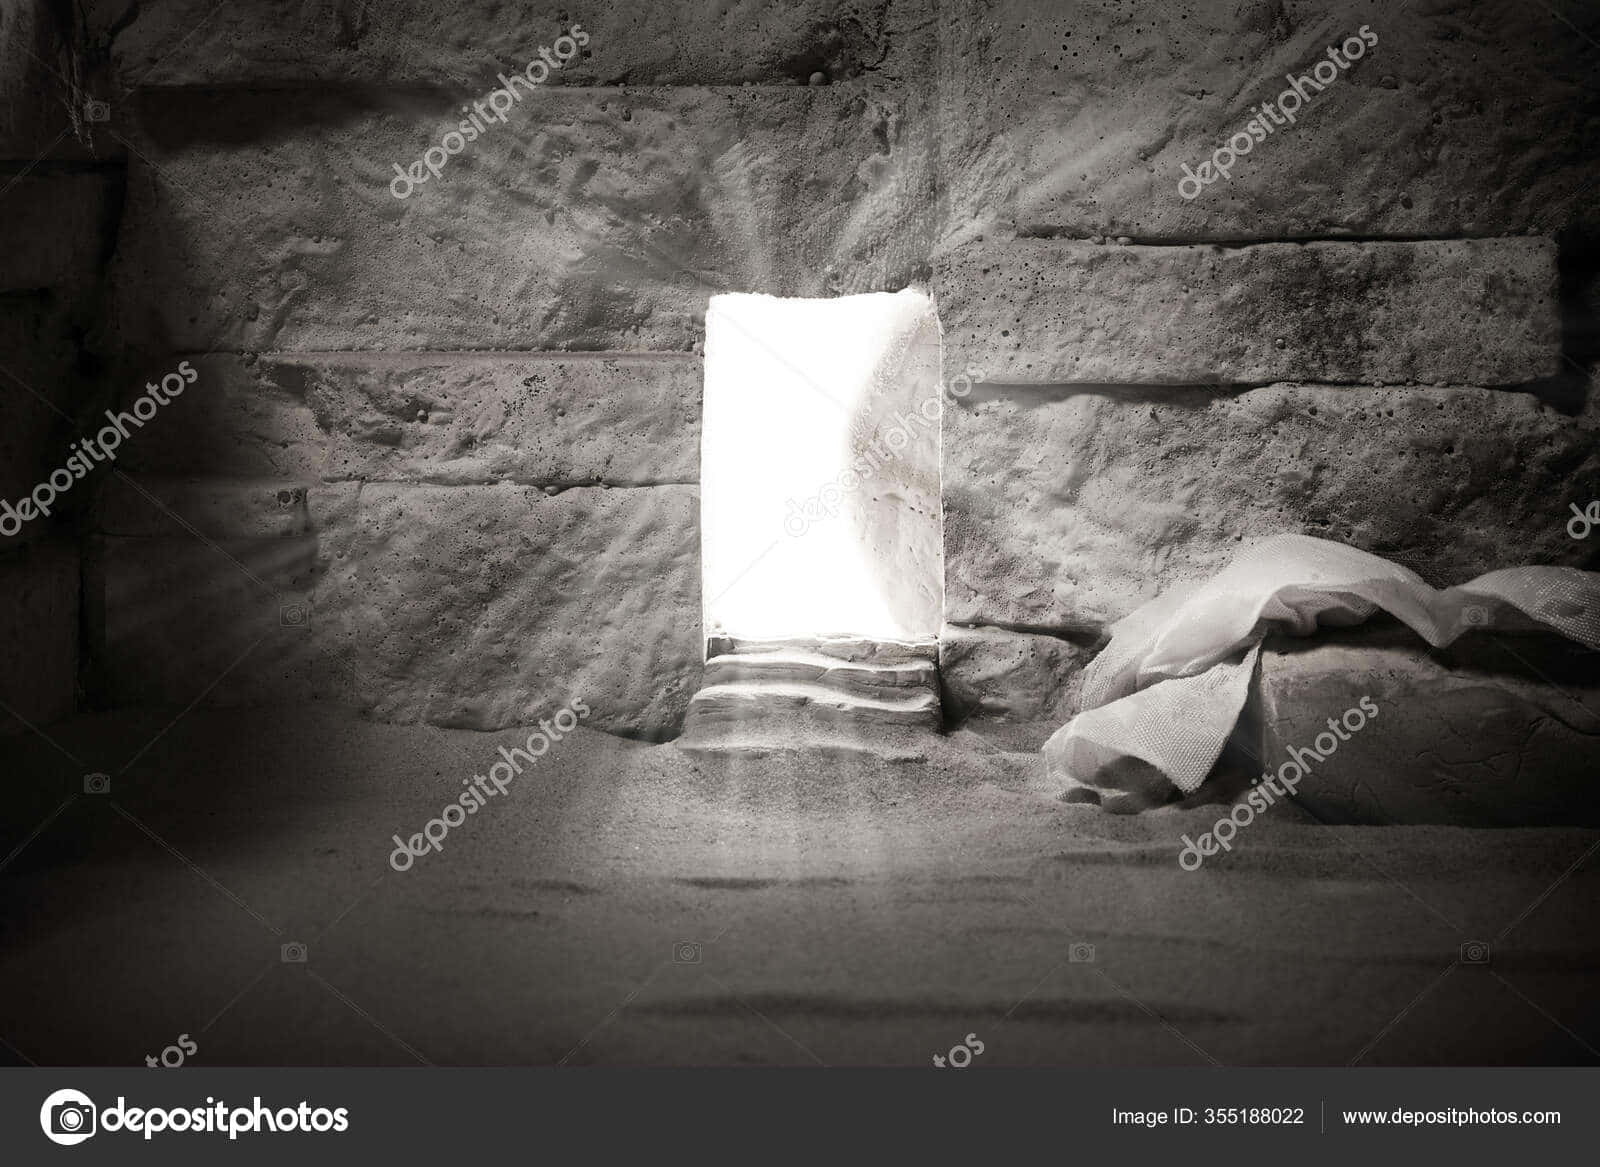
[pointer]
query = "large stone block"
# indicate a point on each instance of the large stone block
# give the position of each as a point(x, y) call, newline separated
point(421, 42)
point(38, 634)
point(590, 220)
point(478, 607)
point(1467, 117)
point(1065, 509)
point(1038, 311)
point(541, 419)
point(1016, 688)
point(1495, 731)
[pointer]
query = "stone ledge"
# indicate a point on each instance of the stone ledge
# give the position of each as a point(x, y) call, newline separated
point(1043, 311)
point(1014, 688)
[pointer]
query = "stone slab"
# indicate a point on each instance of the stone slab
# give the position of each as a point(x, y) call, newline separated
point(1041, 311)
point(1067, 508)
point(1467, 117)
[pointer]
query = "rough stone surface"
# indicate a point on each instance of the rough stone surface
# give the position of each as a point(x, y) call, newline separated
point(591, 220)
point(1015, 688)
point(1065, 509)
point(478, 607)
point(415, 42)
point(1468, 117)
point(1510, 735)
point(620, 420)
point(1477, 312)
point(38, 634)
point(444, 418)
point(55, 232)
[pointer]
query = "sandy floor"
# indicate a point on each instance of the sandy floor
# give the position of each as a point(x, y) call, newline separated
point(836, 910)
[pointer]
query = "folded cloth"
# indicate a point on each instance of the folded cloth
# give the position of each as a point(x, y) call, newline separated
point(1167, 690)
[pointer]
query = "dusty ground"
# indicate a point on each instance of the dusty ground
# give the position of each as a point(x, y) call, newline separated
point(842, 912)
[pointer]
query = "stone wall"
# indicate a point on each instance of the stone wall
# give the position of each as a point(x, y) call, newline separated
point(1378, 328)
point(440, 460)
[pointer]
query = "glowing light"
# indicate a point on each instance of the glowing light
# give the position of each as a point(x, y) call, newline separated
point(820, 511)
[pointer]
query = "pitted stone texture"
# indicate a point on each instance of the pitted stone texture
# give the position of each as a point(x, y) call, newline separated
point(1496, 731)
point(591, 220)
point(1015, 688)
point(444, 418)
point(421, 42)
point(1037, 311)
point(476, 607)
point(1469, 117)
point(55, 231)
point(38, 633)
point(1066, 509)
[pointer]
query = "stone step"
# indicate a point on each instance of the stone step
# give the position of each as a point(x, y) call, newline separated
point(780, 665)
point(846, 648)
point(765, 717)
point(835, 694)
point(746, 700)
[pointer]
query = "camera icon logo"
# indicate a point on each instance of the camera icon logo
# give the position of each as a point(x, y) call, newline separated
point(1080, 953)
point(293, 613)
point(1475, 952)
point(97, 783)
point(686, 952)
point(292, 953)
point(96, 111)
point(67, 1117)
